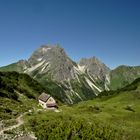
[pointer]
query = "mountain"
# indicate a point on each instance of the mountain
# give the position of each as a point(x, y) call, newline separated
point(67, 80)
point(123, 75)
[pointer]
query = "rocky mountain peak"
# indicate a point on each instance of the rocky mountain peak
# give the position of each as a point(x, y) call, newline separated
point(44, 49)
point(95, 67)
point(90, 61)
point(51, 60)
point(47, 52)
point(38, 55)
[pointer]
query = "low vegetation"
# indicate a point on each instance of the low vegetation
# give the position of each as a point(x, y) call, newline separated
point(113, 117)
point(65, 126)
point(18, 93)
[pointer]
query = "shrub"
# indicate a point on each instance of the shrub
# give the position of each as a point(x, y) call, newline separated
point(129, 108)
point(95, 109)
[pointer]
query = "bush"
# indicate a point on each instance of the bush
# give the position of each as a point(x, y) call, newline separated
point(94, 109)
point(129, 108)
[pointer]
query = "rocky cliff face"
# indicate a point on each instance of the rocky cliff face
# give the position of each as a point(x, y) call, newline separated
point(96, 70)
point(52, 61)
point(94, 67)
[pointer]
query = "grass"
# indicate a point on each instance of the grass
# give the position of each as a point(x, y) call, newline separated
point(102, 118)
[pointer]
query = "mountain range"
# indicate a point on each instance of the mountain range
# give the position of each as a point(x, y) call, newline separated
point(70, 81)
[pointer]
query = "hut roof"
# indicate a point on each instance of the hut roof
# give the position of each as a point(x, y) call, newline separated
point(52, 105)
point(44, 97)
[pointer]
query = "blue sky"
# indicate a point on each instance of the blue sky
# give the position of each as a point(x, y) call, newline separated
point(107, 29)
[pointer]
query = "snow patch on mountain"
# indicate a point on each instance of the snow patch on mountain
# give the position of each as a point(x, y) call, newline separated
point(108, 78)
point(107, 82)
point(35, 67)
point(25, 67)
point(44, 50)
point(70, 100)
point(39, 59)
point(76, 70)
point(90, 76)
point(77, 78)
point(78, 96)
point(44, 66)
point(81, 68)
point(92, 85)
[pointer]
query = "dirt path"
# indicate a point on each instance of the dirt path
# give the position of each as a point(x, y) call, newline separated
point(19, 122)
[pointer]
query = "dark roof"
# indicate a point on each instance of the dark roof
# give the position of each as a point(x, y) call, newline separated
point(44, 97)
point(52, 105)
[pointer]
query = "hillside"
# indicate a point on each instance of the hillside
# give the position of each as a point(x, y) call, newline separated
point(17, 93)
point(112, 117)
point(123, 75)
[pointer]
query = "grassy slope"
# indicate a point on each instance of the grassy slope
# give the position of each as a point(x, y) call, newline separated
point(12, 67)
point(122, 111)
point(18, 93)
point(123, 75)
point(110, 117)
